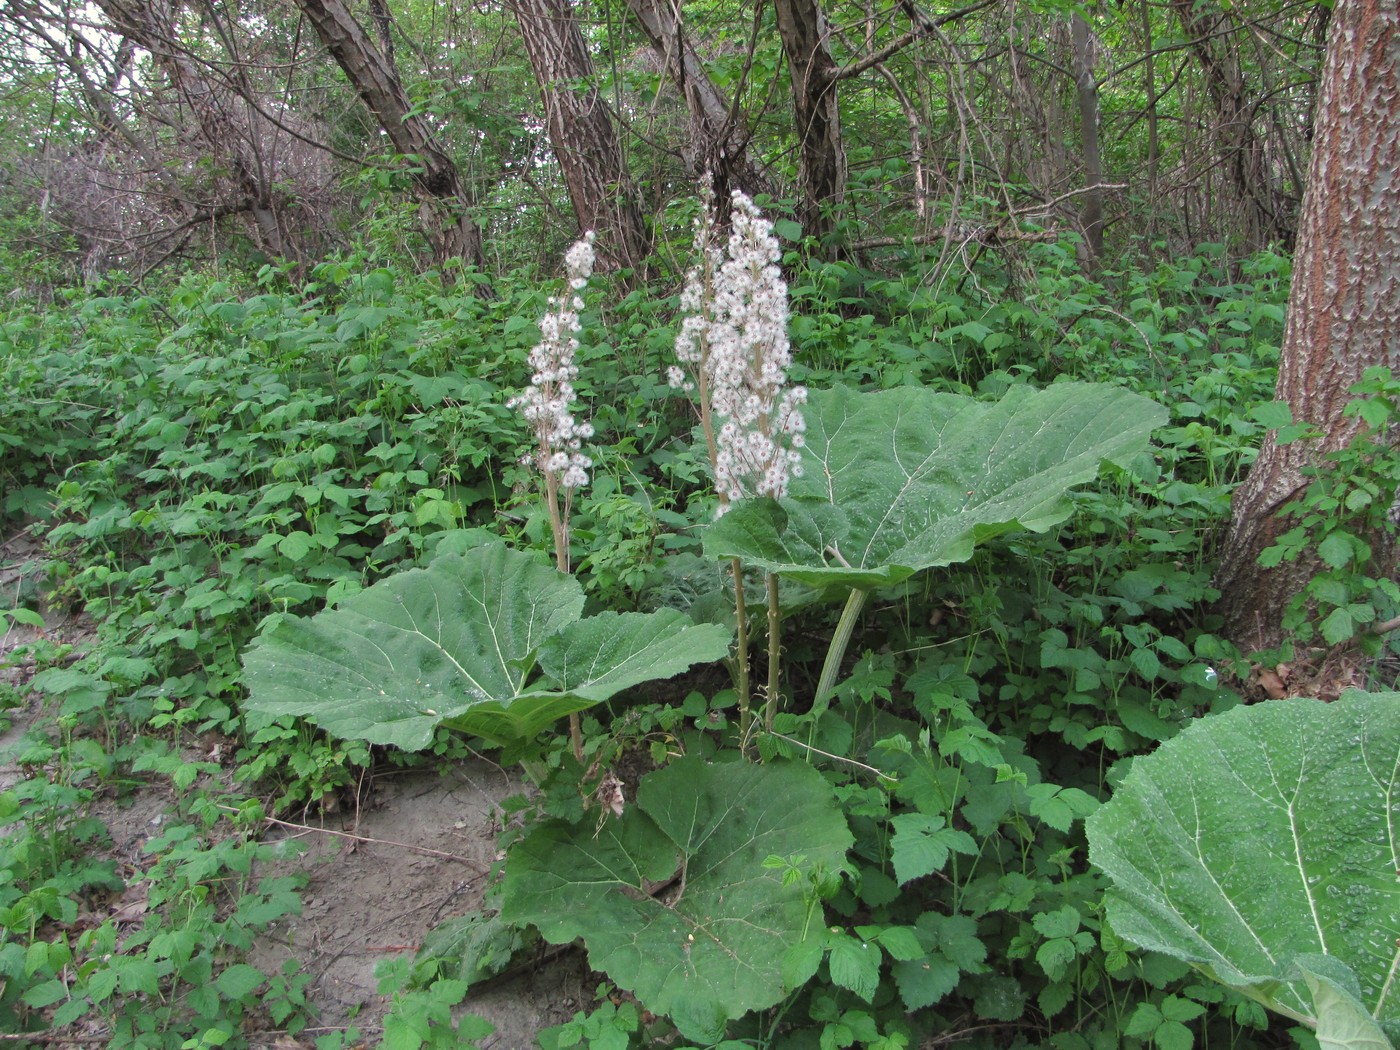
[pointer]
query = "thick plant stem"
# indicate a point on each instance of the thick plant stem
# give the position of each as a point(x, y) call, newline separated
point(775, 650)
point(836, 651)
point(559, 525)
point(741, 652)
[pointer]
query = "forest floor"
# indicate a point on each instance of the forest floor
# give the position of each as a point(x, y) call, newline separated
point(413, 850)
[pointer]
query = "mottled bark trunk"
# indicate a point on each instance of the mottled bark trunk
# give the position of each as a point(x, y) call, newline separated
point(1344, 307)
point(719, 144)
point(374, 78)
point(581, 132)
point(1087, 94)
point(822, 154)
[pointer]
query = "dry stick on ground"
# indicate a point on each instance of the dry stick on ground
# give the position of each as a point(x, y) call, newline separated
point(365, 838)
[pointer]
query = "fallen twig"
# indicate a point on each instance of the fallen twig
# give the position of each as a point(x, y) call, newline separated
point(365, 838)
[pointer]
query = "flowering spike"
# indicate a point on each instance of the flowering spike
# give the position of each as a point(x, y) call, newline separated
point(547, 404)
point(734, 338)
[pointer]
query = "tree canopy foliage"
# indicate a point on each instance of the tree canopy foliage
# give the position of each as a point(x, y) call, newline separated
point(143, 132)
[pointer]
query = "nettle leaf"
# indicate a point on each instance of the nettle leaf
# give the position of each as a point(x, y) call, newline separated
point(854, 964)
point(1261, 838)
point(921, 845)
point(897, 481)
point(454, 644)
point(673, 900)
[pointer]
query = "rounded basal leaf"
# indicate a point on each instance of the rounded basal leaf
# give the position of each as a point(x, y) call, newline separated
point(604, 654)
point(421, 647)
point(673, 899)
point(921, 477)
point(1263, 836)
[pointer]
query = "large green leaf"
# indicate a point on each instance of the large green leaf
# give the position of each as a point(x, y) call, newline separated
point(709, 946)
point(607, 653)
point(897, 481)
point(1263, 838)
point(455, 643)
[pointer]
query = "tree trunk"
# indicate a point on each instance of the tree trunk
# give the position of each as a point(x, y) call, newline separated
point(377, 82)
point(719, 139)
point(1238, 145)
point(1344, 308)
point(581, 131)
point(1087, 93)
point(822, 154)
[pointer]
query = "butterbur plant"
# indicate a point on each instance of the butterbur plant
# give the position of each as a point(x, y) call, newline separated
point(548, 406)
point(548, 402)
point(734, 341)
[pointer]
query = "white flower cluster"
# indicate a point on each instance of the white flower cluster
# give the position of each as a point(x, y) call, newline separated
point(735, 338)
point(547, 404)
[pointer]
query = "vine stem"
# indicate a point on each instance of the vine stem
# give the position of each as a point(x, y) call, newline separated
point(840, 639)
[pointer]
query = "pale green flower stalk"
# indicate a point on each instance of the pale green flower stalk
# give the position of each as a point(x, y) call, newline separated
point(548, 406)
point(734, 340)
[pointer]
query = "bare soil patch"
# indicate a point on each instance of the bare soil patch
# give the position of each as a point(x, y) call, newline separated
point(421, 853)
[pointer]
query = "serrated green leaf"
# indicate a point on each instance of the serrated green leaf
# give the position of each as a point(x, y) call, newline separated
point(854, 965)
point(801, 961)
point(716, 950)
point(1054, 956)
point(921, 845)
point(28, 617)
point(1144, 1021)
point(1063, 922)
point(473, 947)
point(915, 478)
point(45, 993)
point(955, 937)
point(923, 982)
point(238, 981)
point(1258, 837)
point(1337, 550)
point(1337, 626)
point(901, 943)
point(1146, 663)
point(1175, 1008)
point(1054, 997)
point(1172, 1035)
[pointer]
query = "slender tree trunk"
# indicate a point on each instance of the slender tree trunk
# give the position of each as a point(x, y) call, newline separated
point(1087, 93)
point(581, 131)
point(720, 140)
point(1237, 144)
point(803, 30)
point(1344, 308)
point(375, 79)
point(1153, 146)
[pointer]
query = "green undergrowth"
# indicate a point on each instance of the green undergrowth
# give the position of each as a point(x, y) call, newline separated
point(200, 459)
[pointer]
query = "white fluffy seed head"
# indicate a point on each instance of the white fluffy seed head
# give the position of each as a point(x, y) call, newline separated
point(547, 403)
point(735, 335)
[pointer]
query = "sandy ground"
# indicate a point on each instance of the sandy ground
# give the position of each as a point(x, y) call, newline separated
point(416, 851)
point(425, 844)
